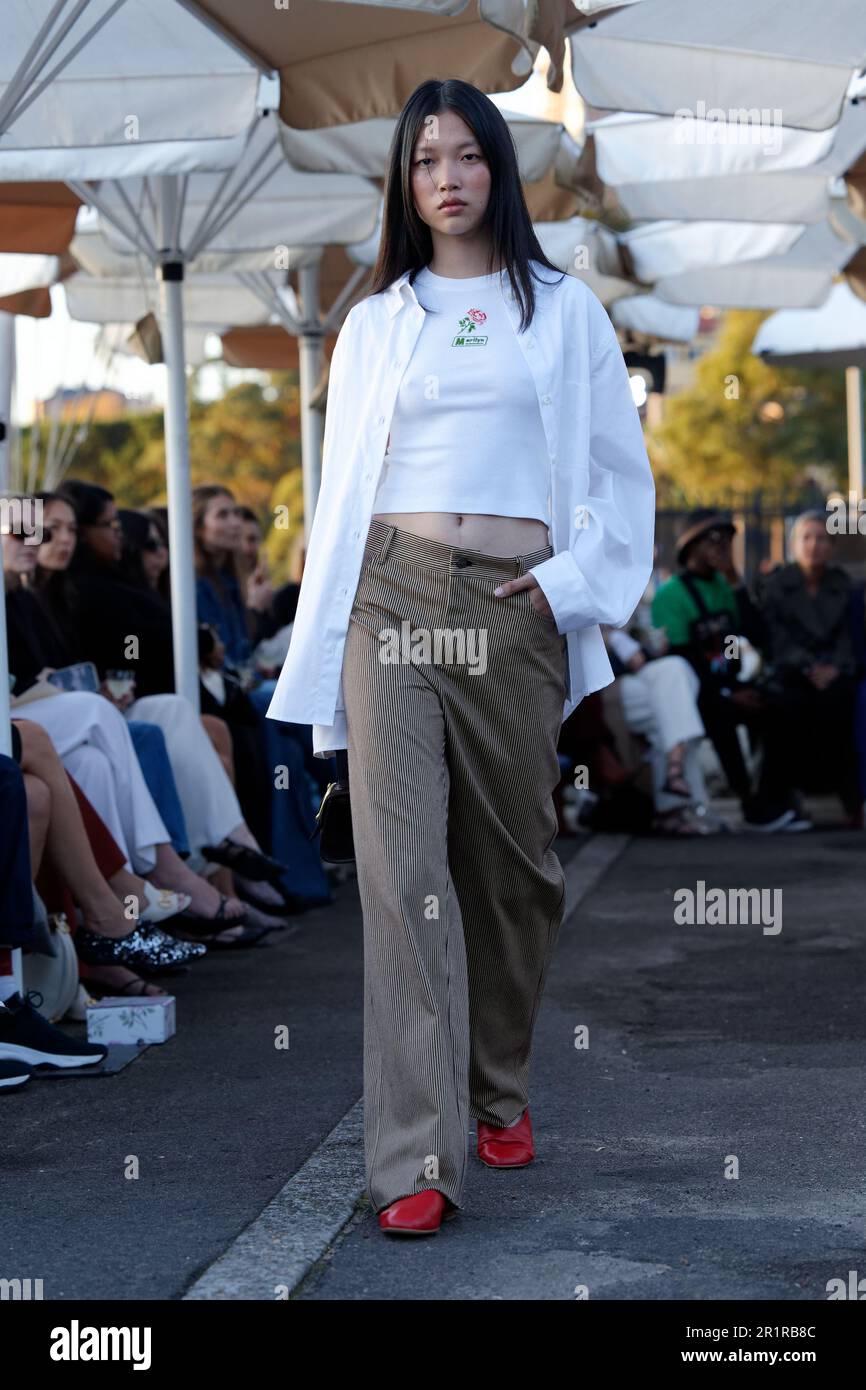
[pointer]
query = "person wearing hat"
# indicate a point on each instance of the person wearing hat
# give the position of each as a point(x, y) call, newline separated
point(701, 609)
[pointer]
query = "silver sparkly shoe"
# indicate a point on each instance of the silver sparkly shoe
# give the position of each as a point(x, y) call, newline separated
point(149, 947)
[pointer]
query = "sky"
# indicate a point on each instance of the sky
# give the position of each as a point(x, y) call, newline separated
point(60, 352)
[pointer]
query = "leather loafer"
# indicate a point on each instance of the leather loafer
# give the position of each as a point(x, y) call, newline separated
point(418, 1215)
point(506, 1148)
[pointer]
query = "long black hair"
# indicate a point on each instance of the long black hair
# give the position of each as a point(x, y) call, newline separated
point(406, 242)
point(56, 588)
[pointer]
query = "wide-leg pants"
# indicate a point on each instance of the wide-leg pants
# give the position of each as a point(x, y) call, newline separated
point(454, 702)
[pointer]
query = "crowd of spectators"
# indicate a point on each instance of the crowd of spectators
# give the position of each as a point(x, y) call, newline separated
point(157, 832)
point(154, 831)
point(770, 676)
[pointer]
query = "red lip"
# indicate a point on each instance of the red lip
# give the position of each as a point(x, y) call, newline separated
point(452, 203)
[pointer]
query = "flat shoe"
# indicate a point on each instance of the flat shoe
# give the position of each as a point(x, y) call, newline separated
point(420, 1214)
point(506, 1148)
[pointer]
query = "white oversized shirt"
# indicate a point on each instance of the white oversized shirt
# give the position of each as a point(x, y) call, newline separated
point(603, 498)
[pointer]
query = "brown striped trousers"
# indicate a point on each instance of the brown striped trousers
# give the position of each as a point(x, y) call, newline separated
point(452, 768)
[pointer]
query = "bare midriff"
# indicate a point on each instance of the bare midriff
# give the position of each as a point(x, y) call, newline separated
point(491, 535)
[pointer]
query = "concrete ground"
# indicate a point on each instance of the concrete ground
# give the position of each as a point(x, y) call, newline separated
point(708, 1142)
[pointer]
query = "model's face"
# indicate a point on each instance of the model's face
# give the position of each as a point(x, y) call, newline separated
point(105, 535)
point(448, 166)
point(811, 546)
point(61, 536)
point(221, 527)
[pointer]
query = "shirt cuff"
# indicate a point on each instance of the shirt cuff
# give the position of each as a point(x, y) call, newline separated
point(566, 591)
point(328, 738)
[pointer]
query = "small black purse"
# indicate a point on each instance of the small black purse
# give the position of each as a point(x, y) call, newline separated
point(334, 817)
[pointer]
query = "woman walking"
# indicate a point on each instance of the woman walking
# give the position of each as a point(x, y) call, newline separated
point(486, 502)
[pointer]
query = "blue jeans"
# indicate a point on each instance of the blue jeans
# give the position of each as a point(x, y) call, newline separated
point(293, 818)
point(152, 754)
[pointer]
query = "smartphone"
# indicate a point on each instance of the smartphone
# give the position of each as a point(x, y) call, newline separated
point(82, 676)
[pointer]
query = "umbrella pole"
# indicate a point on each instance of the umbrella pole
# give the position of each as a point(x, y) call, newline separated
point(183, 596)
point(309, 369)
point(854, 399)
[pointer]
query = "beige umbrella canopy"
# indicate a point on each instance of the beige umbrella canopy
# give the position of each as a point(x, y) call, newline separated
point(37, 217)
point(343, 60)
point(558, 182)
point(668, 56)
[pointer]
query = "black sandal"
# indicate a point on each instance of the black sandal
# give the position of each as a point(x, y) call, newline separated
point(198, 927)
point(249, 863)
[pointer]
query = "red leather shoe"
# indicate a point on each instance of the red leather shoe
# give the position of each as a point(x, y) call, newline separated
point(506, 1148)
point(418, 1215)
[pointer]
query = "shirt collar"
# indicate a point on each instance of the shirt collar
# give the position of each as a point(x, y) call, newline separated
point(397, 291)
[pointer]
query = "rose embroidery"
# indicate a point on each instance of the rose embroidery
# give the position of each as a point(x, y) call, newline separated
point(472, 319)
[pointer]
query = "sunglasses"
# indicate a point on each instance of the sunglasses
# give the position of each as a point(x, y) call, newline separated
point(153, 544)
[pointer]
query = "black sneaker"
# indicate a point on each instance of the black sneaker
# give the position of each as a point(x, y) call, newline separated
point(25, 1036)
point(13, 1074)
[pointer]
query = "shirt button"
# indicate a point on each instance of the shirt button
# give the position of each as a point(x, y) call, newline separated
point(545, 400)
point(381, 419)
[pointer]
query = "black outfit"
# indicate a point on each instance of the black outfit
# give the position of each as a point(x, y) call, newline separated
point(110, 610)
point(35, 640)
point(805, 629)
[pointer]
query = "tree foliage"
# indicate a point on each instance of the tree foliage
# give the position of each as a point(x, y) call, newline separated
point(744, 426)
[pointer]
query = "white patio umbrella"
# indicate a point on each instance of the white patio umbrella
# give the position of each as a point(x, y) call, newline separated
point(648, 316)
point(667, 56)
point(667, 247)
point(111, 88)
point(797, 276)
point(660, 167)
point(833, 335)
point(330, 71)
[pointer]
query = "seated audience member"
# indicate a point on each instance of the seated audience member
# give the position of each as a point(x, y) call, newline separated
point(93, 741)
point(703, 610)
point(659, 701)
point(813, 666)
point(272, 608)
point(67, 582)
point(26, 1038)
point(219, 587)
point(76, 862)
point(217, 533)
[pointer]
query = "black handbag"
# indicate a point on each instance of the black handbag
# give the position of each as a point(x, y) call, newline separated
point(334, 817)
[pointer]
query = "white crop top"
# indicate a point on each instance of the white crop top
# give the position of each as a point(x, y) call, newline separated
point(466, 433)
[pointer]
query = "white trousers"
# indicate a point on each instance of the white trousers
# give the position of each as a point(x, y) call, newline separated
point(210, 805)
point(660, 702)
point(92, 741)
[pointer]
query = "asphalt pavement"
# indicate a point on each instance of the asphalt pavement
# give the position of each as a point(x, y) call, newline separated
point(696, 1099)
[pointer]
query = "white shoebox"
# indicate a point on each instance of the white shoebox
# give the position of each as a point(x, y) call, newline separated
point(124, 1020)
